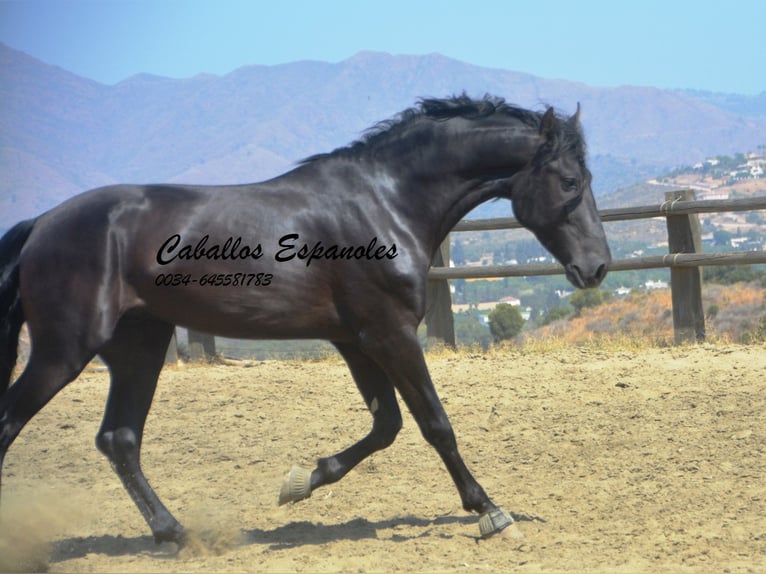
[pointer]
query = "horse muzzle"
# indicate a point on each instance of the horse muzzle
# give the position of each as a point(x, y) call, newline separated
point(586, 276)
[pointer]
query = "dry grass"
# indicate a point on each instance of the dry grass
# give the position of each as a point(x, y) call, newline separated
point(734, 313)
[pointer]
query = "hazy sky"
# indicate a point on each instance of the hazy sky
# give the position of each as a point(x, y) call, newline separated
point(699, 44)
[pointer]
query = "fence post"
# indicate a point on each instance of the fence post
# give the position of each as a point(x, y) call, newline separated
point(439, 321)
point(201, 346)
point(171, 355)
point(685, 283)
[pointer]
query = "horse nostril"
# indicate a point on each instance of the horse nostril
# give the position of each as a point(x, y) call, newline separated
point(574, 275)
point(586, 279)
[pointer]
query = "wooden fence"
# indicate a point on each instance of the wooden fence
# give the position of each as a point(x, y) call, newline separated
point(684, 259)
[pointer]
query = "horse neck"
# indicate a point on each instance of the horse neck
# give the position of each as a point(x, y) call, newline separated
point(462, 167)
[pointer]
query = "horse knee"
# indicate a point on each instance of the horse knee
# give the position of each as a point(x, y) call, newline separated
point(439, 434)
point(120, 446)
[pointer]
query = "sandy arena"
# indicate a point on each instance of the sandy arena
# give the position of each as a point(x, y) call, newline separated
point(611, 461)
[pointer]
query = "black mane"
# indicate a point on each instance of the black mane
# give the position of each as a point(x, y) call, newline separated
point(464, 107)
point(441, 109)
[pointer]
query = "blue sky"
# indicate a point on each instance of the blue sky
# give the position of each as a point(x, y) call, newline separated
point(699, 44)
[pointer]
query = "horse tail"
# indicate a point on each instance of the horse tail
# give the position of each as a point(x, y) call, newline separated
point(11, 313)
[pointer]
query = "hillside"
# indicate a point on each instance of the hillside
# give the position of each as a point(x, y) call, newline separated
point(744, 105)
point(61, 134)
point(734, 313)
point(722, 177)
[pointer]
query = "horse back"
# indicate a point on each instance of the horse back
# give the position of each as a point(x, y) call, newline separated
point(231, 260)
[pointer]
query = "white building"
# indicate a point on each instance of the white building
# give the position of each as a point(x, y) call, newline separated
point(652, 285)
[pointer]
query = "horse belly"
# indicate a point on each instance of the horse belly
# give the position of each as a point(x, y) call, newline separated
point(247, 311)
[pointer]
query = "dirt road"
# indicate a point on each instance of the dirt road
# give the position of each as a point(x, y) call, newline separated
point(610, 460)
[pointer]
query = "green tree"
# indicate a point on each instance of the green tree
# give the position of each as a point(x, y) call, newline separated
point(730, 274)
point(505, 322)
point(722, 237)
point(458, 253)
point(469, 329)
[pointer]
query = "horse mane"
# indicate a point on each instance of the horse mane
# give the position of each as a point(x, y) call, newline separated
point(462, 106)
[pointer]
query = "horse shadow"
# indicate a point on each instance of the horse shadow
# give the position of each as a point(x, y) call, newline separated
point(304, 533)
point(109, 545)
point(290, 535)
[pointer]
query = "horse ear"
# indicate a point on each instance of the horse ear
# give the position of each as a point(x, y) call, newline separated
point(575, 119)
point(549, 125)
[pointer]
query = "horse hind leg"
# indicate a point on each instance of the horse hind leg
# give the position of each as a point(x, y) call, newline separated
point(53, 363)
point(379, 395)
point(135, 356)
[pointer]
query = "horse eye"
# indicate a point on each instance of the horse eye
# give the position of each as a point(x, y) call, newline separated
point(570, 184)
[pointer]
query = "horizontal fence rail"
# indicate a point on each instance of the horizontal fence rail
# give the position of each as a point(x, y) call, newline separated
point(680, 211)
point(633, 263)
point(673, 207)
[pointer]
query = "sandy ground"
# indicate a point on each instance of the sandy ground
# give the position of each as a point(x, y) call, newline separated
point(612, 461)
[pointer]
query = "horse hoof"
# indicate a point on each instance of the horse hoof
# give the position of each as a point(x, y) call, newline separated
point(174, 533)
point(494, 521)
point(296, 486)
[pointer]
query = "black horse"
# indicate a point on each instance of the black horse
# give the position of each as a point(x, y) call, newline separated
point(337, 249)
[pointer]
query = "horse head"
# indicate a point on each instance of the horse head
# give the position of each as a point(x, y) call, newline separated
point(552, 197)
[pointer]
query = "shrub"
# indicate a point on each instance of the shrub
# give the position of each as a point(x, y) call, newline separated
point(757, 335)
point(730, 274)
point(505, 322)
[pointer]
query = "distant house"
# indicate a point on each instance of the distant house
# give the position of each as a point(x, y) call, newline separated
point(738, 241)
point(715, 195)
point(485, 260)
point(652, 285)
point(756, 164)
point(484, 307)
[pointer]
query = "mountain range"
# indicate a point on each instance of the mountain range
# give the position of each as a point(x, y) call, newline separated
point(61, 134)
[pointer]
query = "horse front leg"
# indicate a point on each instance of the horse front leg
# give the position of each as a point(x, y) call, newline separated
point(379, 395)
point(406, 367)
